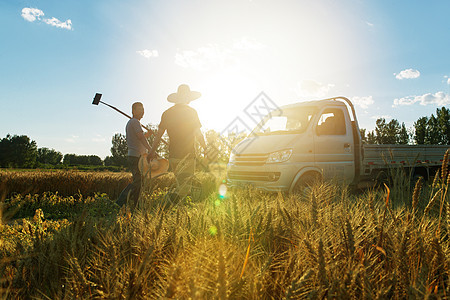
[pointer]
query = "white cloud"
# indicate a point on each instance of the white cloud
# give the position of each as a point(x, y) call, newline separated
point(386, 117)
point(448, 81)
point(73, 139)
point(407, 74)
point(57, 23)
point(148, 53)
point(363, 102)
point(213, 55)
point(99, 139)
point(204, 58)
point(311, 88)
point(439, 98)
point(245, 44)
point(31, 14)
point(370, 24)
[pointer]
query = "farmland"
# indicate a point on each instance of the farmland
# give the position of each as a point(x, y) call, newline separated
point(63, 237)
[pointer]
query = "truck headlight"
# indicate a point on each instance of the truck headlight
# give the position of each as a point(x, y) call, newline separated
point(279, 156)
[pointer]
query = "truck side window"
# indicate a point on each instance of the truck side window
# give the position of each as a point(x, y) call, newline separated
point(331, 122)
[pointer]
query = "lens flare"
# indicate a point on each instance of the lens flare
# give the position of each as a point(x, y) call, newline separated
point(222, 191)
point(212, 230)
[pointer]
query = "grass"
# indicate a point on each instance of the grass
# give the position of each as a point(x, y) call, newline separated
point(329, 243)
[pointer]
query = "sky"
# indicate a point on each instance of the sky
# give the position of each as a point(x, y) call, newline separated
point(391, 58)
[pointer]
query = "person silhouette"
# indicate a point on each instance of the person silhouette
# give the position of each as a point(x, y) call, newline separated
point(183, 128)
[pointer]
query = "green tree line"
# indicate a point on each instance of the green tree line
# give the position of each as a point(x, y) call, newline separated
point(19, 151)
point(433, 130)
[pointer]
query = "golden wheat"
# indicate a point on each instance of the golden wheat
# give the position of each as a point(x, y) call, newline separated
point(246, 245)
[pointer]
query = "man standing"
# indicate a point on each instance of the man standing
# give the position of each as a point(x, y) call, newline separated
point(183, 127)
point(137, 145)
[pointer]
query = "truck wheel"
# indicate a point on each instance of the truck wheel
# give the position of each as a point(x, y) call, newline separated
point(305, 183)
point(382, 178)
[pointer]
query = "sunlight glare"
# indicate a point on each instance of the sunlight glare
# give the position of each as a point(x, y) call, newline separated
point(224, 95)
point(222, 190)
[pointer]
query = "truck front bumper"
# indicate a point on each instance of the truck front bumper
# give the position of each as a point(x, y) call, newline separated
point(269, 177)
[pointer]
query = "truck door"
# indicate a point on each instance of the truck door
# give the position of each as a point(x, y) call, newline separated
point(333, 145)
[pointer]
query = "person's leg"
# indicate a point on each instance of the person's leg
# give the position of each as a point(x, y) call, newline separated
point(136, 184)
point(124, 195)
point(183, 173)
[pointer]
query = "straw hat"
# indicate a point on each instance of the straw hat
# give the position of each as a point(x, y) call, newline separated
point(156, 166)
point(183, 95)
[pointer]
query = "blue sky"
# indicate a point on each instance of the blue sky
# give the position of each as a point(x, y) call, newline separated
point(390, 57)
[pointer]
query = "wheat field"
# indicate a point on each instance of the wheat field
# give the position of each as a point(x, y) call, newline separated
point(330, 242)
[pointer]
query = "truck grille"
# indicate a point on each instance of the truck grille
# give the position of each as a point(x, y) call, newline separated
point(255, 176)
point(250, 159)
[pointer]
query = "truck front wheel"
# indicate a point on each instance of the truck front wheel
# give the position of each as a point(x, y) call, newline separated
point(305, 183)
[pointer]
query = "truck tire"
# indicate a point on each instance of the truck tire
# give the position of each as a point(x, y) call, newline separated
point(305, 183)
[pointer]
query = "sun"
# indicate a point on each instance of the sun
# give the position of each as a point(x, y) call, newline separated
point(225, 94)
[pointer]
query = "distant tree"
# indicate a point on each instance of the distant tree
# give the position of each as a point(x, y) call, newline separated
point(403, 136)
point(387, 133)
point(371, 138)
point(420, 130)
point(48, 156)
point(78, 160)
point(109, 161)
point(163, 148)
point(5, 152)
point(95, 160)
point(393, 129)
point(119, 146)
point(433, 130)
point(433, 134)
point(380, 131)
point(119, 151)
point(69, 159)
point(18, 151)
point(362, 132)
point(443, 117)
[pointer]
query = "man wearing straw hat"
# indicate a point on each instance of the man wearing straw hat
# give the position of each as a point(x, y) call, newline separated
point(183, 127)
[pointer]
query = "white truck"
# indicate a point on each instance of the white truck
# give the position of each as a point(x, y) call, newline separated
point(299, 143)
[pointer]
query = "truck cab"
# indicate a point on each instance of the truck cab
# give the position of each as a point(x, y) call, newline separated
point(297, 142)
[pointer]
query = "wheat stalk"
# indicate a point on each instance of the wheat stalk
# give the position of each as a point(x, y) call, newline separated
point(432, 201)
point(222, 277)
point(322, 271)
point(349, 238)
point(403, 266)
point(444, 168)
point(314, 209)
point(416, 194)
point(380, 238)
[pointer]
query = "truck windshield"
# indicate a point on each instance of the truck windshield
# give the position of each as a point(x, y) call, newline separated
point(286, 121)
